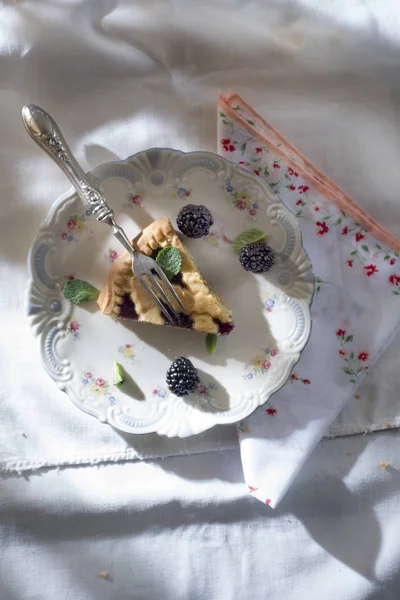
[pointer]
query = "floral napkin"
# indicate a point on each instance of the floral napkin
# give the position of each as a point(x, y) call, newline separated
point(355, 310)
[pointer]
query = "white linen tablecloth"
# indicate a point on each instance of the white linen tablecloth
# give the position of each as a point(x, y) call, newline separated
point(120, 77)
point(186, 529)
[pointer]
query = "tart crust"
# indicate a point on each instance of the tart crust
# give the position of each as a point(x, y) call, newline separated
point(207, 311)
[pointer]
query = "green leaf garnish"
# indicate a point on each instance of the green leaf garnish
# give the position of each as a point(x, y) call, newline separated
point(247, 237)
point(78, 291)
point(170, 260)
point(211, 342)
point(118, 374)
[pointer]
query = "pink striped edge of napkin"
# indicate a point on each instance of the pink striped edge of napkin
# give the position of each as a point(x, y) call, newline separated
point(268, 135)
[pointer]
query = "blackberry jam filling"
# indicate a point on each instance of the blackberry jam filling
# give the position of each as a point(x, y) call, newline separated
point(184, 321)
point(225, 328)
point(177, 279)
point(127, 309)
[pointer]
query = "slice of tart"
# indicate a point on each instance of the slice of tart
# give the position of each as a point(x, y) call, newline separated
point(122, 295)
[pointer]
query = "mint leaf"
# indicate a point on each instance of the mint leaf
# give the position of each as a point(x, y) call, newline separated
point(78, 291)
point(170, 260)
point(247, 237)
point(118, 374)
point(211, 342)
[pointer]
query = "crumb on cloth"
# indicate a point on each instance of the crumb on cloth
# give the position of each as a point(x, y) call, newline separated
point(104, 574)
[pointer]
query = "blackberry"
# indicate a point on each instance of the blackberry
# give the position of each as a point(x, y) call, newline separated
point(256, 257)
point(194, 221)
point(182, 378)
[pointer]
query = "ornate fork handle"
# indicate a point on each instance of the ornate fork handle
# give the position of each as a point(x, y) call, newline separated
point(45, 132)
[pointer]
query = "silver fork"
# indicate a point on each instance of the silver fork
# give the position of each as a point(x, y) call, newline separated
point(45, 132)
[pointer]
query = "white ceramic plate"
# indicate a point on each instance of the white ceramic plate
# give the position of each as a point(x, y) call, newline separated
point(79, 345)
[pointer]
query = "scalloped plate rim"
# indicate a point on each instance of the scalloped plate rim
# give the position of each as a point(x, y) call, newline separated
point(69, 194)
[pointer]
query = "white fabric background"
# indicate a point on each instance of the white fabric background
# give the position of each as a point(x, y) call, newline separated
point(120, 77)
point(184, 529)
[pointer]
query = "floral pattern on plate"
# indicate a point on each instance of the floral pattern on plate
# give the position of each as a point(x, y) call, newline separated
point(127, 351)
point(270, 301)
point(181, 192)
point(97, 386)
point(203, 391)
point(73, 328)
point(111, 255)
point(136, 199)
point(243, 201)
point(218, 238)
point(161, 392)
point(261, 363)
point(75, 226)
